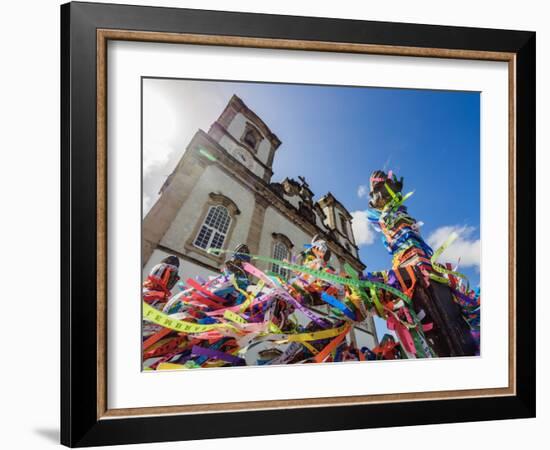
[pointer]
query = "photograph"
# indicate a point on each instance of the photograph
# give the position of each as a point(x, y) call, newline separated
point(293, 224)
point(280, 223)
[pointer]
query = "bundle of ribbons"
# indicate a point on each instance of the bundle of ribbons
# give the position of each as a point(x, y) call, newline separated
point(402, 239)
point(217, 322)
point(247, 316)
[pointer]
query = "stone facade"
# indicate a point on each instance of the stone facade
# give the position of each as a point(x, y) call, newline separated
point(231, 166)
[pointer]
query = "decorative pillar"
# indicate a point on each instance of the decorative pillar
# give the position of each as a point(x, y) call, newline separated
point(256, 224)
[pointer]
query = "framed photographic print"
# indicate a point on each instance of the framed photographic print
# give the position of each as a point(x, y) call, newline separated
point(277, 224)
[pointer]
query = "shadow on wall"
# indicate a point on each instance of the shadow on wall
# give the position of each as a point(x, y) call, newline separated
point(49, 434)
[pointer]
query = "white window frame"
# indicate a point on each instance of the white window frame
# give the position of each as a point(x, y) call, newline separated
point(213, 229)
point(275, 268)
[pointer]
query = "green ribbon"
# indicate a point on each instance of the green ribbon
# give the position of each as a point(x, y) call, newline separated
point(438, 267)
point(322, 275)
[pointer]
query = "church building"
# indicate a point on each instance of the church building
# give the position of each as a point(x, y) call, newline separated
point(221, 194)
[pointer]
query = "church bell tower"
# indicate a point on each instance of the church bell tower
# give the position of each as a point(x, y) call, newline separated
point(246, 138)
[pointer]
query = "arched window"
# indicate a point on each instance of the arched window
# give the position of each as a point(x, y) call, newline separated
point(281, 252)
point(214, 229)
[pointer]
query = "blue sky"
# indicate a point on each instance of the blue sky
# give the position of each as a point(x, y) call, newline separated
point(336, 136)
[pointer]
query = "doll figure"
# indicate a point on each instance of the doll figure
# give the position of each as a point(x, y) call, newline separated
point(234, 265)
point(159, 283)
point(317, 254)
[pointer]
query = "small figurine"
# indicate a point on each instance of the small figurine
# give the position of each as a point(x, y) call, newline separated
point(317, 254)
point(380, 195)
point(234, 265)
point(159, 283)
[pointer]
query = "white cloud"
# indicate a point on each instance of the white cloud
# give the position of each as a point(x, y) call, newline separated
point(156, 155)
point(362, 191)
point(173, 111)
point(362, 229)
point(465, 248)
